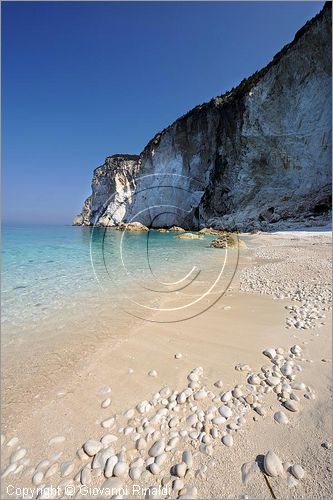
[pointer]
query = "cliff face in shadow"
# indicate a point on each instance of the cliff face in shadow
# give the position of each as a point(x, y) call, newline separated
point(257, 157)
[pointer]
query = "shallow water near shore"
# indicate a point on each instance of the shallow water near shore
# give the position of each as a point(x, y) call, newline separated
point(66, 290)
point(48, 269)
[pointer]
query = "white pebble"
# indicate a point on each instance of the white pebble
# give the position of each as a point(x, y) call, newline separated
point(120, 469)
point(66, 468)
point(228, 440)
point(291, 405)
point(225, 411)
point(13, 441)
point(107, 423)
point(157, 448)
point(18, 454)
point(154, 469)
point(180, 469)
point(297, 471)
point(11, 468)
point(270, 353)
point(57, 440)
point(105, 390)
point(273, 465)
point(38, 478)
point(91, 447)
point(135, 473)
point(280, 417)
point(187, 458)
point(106, 403)
point(109, 466)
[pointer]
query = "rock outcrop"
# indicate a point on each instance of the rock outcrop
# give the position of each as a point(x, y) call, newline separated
point(258, 157)
point(228, 240)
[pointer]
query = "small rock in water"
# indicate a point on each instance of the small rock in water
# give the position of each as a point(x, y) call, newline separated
point(178, 355)
point(280, 417)
point(273, 465)
point(57, 440)
point(152, 373)
point(91, 447)
point(228, 440)
point(297, 471)
point(106, 403)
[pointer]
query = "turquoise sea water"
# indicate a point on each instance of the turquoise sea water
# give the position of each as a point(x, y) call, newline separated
point(51, 270)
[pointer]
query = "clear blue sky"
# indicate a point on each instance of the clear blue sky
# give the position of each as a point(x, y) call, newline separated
point(84, 80)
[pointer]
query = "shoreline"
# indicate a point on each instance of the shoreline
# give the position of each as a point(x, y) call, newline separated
point(250, 323)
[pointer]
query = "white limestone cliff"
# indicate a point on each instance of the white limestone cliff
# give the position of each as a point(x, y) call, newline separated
point(257, 157)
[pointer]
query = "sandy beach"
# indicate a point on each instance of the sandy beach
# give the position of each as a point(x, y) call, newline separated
point(191, 406)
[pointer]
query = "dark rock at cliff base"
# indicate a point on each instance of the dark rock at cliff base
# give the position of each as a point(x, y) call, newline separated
point(210, 231)
point(133, 226)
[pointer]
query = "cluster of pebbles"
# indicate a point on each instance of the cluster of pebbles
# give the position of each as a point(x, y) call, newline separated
point(169, 440)
point(273, 467)
point(298, 274)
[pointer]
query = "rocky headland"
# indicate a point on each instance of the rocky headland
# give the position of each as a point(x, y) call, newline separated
point(257, 157)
